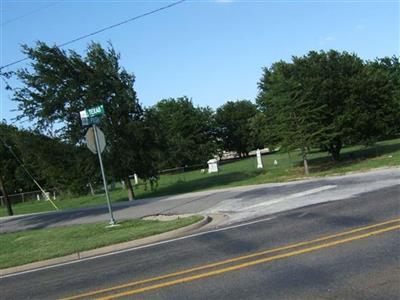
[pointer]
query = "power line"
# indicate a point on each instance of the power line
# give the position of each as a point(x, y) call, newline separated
point(28, 13)
point(104, 29)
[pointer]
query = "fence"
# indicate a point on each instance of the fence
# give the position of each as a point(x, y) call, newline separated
point(183, 169)
point(29, 196)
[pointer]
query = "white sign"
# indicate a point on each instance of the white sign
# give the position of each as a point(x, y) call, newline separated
point(91, 142)
point(212, 166)
point(83, 114)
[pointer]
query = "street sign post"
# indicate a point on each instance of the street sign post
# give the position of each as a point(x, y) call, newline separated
point(96, 143)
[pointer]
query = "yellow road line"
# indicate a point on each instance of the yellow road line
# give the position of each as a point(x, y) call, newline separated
point(216, 264)
point(247, 264)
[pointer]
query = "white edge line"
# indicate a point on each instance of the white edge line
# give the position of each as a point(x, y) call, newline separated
point(137, 248)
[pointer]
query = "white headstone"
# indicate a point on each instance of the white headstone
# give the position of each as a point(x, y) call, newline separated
point(136, 179)
point(275, 162)
point(259, 161)
point(212, 166)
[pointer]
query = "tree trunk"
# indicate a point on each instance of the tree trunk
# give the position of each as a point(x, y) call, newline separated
point(304, 154)
point(5, 195)
point(290, 159)
point(334, 149)
point(129, 188)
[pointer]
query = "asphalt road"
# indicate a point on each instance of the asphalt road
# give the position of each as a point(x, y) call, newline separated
point(238, 204)
point(314, 252)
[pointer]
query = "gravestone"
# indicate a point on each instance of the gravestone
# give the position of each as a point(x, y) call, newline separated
point(212, 165)
point(259, 161)
point(136, 179)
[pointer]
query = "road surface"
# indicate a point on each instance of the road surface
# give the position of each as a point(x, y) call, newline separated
point(238, 204)
point(346, 249)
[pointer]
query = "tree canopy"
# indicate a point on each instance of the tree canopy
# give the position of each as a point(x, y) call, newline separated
point(339, 98)
point(59, 84)
point(322, 99)
point(233, 121)
point(53, 163)
point(188, 132)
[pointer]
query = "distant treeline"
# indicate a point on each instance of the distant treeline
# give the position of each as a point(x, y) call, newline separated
point(323, 99)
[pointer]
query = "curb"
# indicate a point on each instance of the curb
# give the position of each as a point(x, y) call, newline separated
point(107, 249)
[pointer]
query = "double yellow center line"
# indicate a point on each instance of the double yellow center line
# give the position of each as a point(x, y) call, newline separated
point(241, 262)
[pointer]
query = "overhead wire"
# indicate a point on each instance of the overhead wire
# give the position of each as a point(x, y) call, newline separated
point(104, 29)
point(29, 13)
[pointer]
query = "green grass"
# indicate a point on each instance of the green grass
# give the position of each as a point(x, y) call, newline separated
point(34, 245)
point(243, 172)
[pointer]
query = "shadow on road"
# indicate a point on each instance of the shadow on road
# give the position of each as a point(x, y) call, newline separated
point(218, 180)
point(44, 220)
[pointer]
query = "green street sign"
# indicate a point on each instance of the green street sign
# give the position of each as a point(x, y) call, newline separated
point(95, 111)
point(92, 115)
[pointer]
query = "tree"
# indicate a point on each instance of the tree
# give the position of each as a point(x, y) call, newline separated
point(187, 132)
point(52, 162)
point(233, 120)
point(287, 103)
point(376, 101)
point(325, 81)
point(331, 77)
point(59, 84)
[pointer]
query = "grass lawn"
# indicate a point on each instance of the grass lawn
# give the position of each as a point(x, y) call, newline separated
point(243, 172)
point(34, 245)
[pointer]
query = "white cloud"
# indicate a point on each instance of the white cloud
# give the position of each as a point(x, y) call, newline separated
point(360, 27)
point(326, 40)
point(329, 39)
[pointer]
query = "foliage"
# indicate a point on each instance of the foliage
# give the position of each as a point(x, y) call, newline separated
point(290, 107)
point(375, 102)
point(187, 132)
point(52, 162)
point(60, 84)
point(340, 98)
point(233, 120)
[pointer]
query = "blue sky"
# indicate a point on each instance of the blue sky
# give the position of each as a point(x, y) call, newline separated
point(211, 51)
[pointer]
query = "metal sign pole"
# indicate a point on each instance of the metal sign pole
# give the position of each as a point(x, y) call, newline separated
point(112, 220)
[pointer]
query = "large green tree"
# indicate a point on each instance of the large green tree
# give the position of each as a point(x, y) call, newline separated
point(290, 109)
point(233, 120)
point(348, 100)
point(61, 83)
point(330, 79)
point(186, 132)
point(375, 101)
